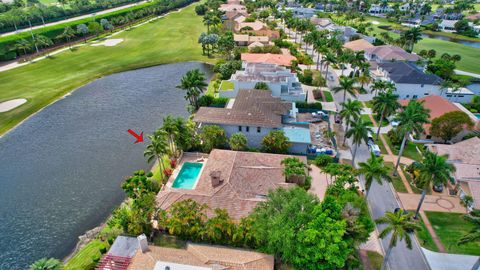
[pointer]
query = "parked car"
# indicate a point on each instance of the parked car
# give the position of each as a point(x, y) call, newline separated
point(438, 187)
point(375, 149)
point(338, 119)
point(370, 140)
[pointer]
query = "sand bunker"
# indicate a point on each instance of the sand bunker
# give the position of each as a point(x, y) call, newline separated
point(11, 104)
point(375, 22)
point(109, 42)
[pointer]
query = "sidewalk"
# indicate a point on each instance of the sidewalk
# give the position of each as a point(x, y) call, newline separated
point(436, 203)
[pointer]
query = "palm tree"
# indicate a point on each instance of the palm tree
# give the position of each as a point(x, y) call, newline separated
point(194, 83)
point(473, 235)
point(411, 119)
point(363, 79)
point(378, 86)
point(358, 132)
point(46, 264)
point(346, 85)
point(350, 113)
point(328, 59)
point(67, 34)
point(399, 224)
point(374, 169)
point(411, 37)
point(157, 148)
point(385, 104)
point(320, 45)
point(171, 129)
point(433, 169)
point(23, 45)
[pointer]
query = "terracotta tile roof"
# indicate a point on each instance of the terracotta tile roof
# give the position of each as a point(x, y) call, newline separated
point(250, 39)
point(437, 105)
point(256, 25)
point(284, 59)
point(232, 7)
point(247, 178)
point(251, 108)
point(358, 45)
point(215, 257)
point(389, 52)
point(234, 14)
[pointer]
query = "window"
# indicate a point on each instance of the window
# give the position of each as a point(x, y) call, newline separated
point(425, 94)
point(239, 128)
point(259, 129)
point(422, 85)
point(460, 95)
point(415, 96)
point(247, 128)
point(407, 96)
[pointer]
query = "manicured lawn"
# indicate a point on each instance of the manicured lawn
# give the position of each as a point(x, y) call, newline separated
point(328, 96)
point(449, 228)
point(396, 180)
point(167, 40)
point(469, 54)
point(469, 61)
point(425, 238)
point(410, 150)
point(366, 118)
point(156, 169)
point(375, 259)
point(84, 258)
point(226, 86)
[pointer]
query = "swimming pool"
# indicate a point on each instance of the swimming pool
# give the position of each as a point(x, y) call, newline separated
point(477, 115)
point(188, 175)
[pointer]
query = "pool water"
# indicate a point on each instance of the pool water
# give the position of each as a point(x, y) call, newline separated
point(477, 115)
point(188, 175)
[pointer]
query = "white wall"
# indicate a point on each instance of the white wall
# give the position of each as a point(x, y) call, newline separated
point(416, 91)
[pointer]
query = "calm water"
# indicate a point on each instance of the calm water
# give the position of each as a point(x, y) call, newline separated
point(474, 44)
point(60, 171)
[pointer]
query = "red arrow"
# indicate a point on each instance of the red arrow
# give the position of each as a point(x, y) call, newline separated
point(138, 137)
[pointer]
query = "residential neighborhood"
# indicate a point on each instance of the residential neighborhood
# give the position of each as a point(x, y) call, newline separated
point(239, 134)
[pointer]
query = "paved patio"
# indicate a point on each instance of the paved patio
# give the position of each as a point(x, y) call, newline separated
point(437, 203)
point(319, 182)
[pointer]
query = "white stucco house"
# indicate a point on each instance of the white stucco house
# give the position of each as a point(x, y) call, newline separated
point(281, 81)
point(413, 83)
point(255, 113)
point(379, 9)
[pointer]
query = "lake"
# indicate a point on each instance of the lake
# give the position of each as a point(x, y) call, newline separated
point(61, 170)
point(474, 44)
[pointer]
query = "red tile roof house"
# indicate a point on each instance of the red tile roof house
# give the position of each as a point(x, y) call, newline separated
point(246, 40)
point(255, 113)
point(439, 106)
point(235, 181)
point(465, 156)
point(285, 59)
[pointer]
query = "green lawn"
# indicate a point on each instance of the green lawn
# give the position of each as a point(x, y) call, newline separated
point(84, 258)
point(167, 40)
point(328, 96)
point(425, 238)
point(366, 118)
point(410, 150)
point(469, 54)
point(469, 61)
point(449, 228)
point(396, 180)
point(226, 86)
point(375, 259)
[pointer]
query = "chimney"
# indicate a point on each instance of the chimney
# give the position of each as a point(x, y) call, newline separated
point(142, 243)
point(216, 178)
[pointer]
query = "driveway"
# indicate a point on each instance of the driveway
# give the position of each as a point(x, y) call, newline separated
point(437, 203)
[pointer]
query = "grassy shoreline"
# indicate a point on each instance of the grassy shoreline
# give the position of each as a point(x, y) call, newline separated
point(170, 39)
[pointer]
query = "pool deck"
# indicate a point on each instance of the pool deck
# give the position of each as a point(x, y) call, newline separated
point(186, 157)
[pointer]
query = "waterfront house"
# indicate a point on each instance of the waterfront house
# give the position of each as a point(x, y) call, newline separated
point(255, 113)
point(464, 156)
point(281, 81)
point(284, 59)
point(135, 253)
point(439, 106)
point(247, 40)
point(447, 25)
point(232, 180)
point(389, 53)
point(379, 9)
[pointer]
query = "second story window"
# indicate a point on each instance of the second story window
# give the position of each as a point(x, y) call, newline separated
point(239, 128)
point(248, 129)
point(259, 129)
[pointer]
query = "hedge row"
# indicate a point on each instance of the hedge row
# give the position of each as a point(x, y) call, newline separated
point(7, 44)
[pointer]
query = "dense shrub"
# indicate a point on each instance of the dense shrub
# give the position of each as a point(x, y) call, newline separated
point(266, 49)
point(210, 101)
point(306, 105)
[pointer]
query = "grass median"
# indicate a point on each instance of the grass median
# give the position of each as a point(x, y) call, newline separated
point(167, 40)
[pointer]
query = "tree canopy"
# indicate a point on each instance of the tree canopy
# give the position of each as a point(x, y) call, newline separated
point(450, 125)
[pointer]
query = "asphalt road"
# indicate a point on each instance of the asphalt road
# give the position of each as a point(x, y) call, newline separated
point(381, 198)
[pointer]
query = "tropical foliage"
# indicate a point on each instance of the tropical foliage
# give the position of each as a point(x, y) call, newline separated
point(275, 142)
